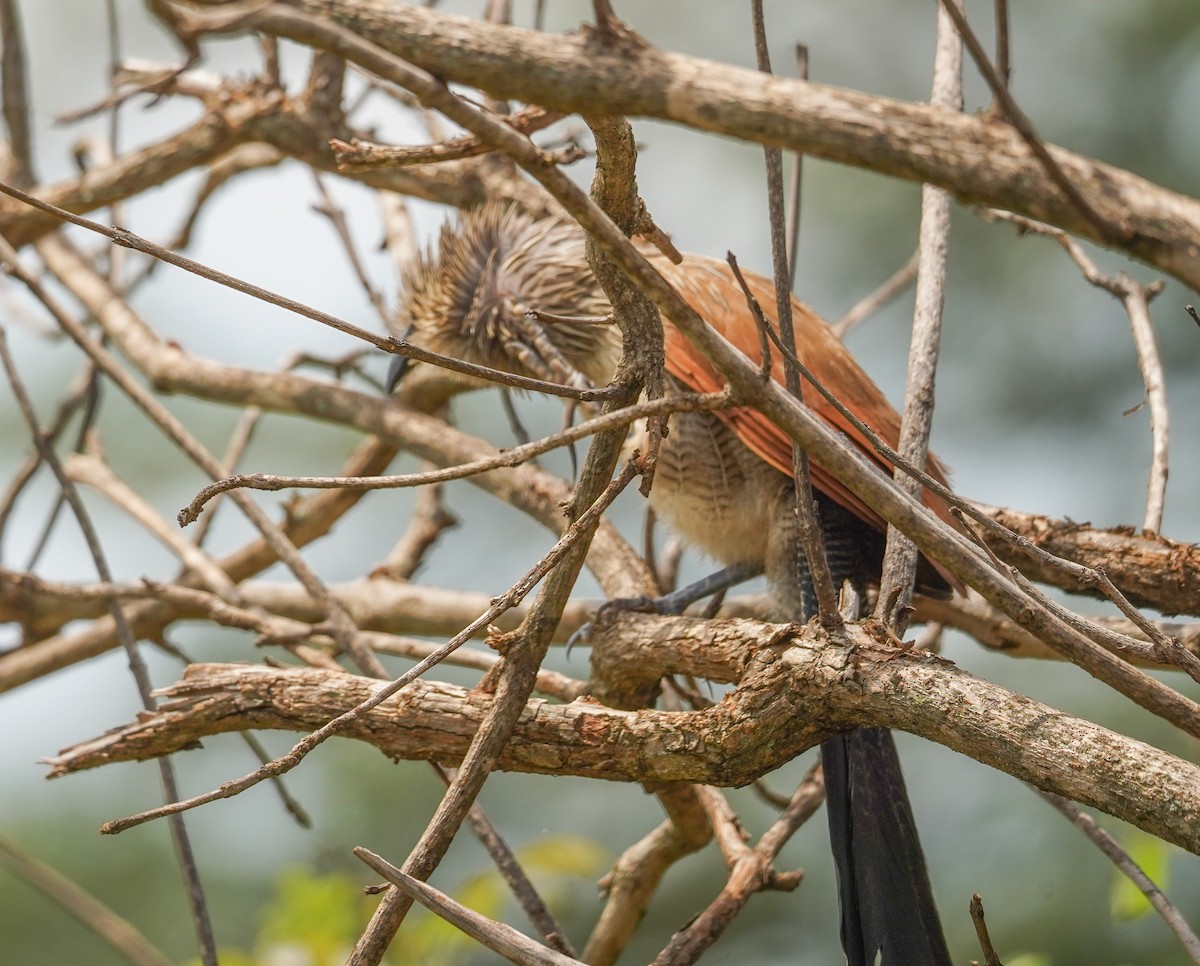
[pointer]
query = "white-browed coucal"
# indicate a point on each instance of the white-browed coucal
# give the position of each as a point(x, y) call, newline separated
point(724, 483)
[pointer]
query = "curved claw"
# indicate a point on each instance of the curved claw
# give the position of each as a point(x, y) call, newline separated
point(641, 605)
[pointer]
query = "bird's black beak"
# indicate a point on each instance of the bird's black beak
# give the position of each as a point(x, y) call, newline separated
point(396, 370)
point(398, 366)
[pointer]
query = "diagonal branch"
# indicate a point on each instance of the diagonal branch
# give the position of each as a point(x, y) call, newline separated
point(975, 158)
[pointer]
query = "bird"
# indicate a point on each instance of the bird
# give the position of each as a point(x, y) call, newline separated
point(512, 290)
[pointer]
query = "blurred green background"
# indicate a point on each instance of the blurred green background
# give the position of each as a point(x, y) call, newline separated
point(1037, 368)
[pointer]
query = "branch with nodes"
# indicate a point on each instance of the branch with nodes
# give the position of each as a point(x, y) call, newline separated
point(787, 701)
point(974, 158)
point(788, 687)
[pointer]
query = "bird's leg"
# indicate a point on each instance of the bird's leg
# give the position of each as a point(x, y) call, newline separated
point(680, 600)
point(675, 602)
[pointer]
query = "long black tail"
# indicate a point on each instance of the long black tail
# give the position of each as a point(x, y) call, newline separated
point(883, 888)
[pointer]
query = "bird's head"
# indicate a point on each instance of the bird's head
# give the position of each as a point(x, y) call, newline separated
point(504, 289)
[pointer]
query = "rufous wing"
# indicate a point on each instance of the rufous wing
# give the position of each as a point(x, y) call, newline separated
point(710, 288)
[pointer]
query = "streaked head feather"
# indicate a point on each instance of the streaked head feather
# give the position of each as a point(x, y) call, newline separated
point(469, 296)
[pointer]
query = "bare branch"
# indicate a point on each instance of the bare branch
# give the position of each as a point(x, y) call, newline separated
point(972, 157)
point(113, 929)
point(981, 931)
point(900, 555)
point(788, 701)
point(512, 457)
point(1136, 299)
point(873, 301)
point(363, 154)
point(15, 95)
point(496, 936)
point(1129, 868)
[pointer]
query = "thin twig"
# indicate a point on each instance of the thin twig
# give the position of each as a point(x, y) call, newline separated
point(337, 218)
point(1130, 869)
point(15, 95)
point(981, 931)
point(220, 172)
point(811, 536)
point(188, 868)
point(803, 804)
point(496, 936)
point(399, 235)
point(294, 808)
point(795, 188)
point(900, 554)
point(513, 875)
point(429, 520)
point(358, 154)
point(706, 402)
point(128, 239)
point(83, 393)
point(1112, 234)
point(116, 256)
point(239, 440)
point(873, 301)
point(1135, 297)
point(1003, 65)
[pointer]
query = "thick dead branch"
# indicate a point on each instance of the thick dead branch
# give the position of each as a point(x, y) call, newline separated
point(977, 159)
point(310, 519)
point(786, 702)
point(267, 118)
point(1151, 570)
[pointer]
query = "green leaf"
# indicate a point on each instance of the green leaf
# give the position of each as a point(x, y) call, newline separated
point(1029, 959)
point(321, 914)
point(427, 938)
point(1127, 901)
point(564, 855)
